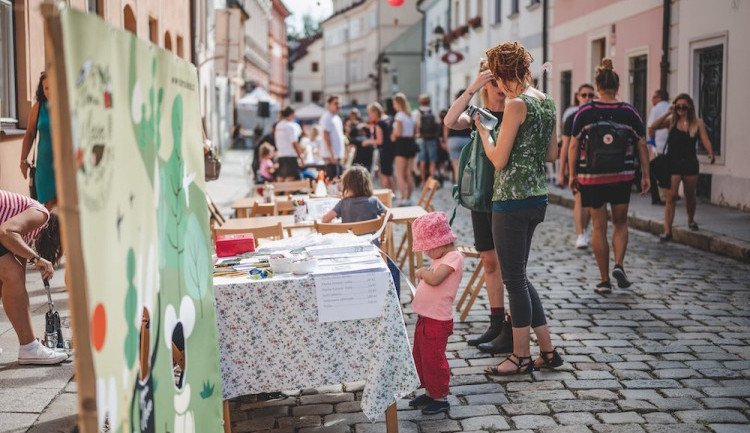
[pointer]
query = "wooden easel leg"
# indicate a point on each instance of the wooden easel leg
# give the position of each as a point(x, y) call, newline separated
point(391, 419)
point(227, 421)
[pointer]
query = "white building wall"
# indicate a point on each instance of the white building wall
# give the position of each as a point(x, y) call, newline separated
point(700, 23)
point(435, 71)
point(304, 79)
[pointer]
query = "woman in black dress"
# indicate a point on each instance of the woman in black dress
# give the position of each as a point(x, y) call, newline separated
point(685, 128)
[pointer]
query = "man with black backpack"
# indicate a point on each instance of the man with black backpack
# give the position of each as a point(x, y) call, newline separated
point(428, 134)
point(605, 136)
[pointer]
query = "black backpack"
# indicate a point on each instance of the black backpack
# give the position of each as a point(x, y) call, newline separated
point(428, 127)
point(608, 147)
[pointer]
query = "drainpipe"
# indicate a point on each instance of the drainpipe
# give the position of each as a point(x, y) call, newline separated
point(545, 42)
point(422, 66)
point(447, 31)
point(667, 18)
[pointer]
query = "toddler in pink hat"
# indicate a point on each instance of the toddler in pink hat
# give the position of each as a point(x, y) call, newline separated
point(434, 305)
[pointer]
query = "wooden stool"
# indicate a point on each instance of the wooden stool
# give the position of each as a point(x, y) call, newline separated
point(471, 288)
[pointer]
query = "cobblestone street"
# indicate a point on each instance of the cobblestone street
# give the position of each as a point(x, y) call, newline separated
point(669, 354)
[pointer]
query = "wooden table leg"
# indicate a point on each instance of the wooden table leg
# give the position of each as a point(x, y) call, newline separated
point(391, 419)
point(227, 421)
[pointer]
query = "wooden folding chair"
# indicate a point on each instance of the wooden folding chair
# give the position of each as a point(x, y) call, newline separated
point(358, 228)
point(425, 201)
point(273, 232)
point(263, 209)
point(215, 217)
point(385, 196)
point(471, 288)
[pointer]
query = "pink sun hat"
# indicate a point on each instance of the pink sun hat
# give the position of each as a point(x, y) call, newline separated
point(432, 231)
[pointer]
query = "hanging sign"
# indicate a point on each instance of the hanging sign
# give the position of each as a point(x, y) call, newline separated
point(452, 57)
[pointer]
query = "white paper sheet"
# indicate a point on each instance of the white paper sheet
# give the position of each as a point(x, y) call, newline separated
point(351, 295)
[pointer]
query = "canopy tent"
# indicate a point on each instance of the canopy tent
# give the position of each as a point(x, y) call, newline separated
point(247, 109)
point(311, 111)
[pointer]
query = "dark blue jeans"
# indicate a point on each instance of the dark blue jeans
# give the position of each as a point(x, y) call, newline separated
point(512, 232)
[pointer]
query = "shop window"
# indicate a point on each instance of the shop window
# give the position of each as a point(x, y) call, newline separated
point(129, 22)
point(638, 71)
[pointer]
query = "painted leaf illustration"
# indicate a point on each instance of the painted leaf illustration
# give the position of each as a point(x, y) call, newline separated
point(196, 262)
point(208, 390)
point(131, 304)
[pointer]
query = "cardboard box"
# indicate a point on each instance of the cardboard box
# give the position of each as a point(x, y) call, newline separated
point(232, 245)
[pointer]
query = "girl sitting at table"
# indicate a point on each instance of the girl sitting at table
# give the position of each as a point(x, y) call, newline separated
point(433, 304)
point(358, 203)
point(266, 168)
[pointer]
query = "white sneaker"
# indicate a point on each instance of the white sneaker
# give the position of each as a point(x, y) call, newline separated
point(582, 242)
point(41, 354)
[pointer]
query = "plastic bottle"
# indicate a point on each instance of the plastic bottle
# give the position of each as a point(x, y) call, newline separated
point(320, 188)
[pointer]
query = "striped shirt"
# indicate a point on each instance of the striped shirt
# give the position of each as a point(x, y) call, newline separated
point(620, 112)
point(12, 204)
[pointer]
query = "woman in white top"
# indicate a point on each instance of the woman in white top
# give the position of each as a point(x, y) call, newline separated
point(405, 146)
point(288, 150)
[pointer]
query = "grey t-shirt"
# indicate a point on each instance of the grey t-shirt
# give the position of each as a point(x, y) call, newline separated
point(356, 209)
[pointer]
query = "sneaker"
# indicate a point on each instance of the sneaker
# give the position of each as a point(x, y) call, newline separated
point(581, 242)
point(693, 226)
point(41, 355)
point(436, 407)
point(420, 401)
point(603, 288)
point(622, 279)
point(665, 237)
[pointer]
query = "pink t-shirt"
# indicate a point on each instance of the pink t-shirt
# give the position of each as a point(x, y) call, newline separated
point(264, 169)
point(436, 302)
point(12, 204)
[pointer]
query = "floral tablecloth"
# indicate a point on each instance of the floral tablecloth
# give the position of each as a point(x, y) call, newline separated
point(271, 340)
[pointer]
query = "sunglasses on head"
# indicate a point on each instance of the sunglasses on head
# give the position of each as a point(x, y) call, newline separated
point(681, 107)
point(586, 95)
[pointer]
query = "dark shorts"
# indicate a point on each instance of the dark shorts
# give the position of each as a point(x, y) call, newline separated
point(481, 222)
point(406, 147)
point(288, 167)
point(386, 159)
point(683, 167)
point(595, 196)
point(333, 170)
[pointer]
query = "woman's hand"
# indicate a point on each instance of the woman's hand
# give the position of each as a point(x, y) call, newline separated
point(483, 78)
point(45, 267)
point(24, 168)
point(481, 129)
point(573, 184)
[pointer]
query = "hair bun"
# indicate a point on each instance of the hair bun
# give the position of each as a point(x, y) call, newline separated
point(607, 64)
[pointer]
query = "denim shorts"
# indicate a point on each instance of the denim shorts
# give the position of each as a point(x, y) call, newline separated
point(427, 150)
point(455, 145)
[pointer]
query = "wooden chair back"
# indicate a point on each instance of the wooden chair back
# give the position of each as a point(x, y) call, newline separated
point(358, 228)
point(273, 231)
point(385, 196)
point(285, 188)
point(425, 198)
point(263, 209)
point(215, 218)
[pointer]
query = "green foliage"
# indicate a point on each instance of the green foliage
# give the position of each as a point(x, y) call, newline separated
point(196, 261)
point(310, 26)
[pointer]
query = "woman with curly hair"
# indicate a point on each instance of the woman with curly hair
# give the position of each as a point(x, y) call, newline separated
point(526, 140)
point(23, 220)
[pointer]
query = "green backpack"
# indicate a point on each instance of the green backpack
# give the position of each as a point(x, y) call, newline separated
point(476, 177)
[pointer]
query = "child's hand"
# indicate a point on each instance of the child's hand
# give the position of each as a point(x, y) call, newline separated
point(419, 273)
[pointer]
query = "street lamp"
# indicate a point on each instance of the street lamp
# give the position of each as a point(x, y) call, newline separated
point(381, 62)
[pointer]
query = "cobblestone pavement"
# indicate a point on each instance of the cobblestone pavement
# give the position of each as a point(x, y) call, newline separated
point(669, 354)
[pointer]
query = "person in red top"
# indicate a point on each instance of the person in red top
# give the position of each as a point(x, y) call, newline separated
point(434, 304)
point(23, 221)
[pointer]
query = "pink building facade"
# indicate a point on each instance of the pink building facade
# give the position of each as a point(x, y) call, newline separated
point(629, 32)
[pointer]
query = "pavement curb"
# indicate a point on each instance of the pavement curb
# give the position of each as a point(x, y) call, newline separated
point(704, 240)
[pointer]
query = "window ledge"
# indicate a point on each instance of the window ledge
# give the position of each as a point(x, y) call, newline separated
point(513, 15)
point(533, 5)
point(11, 132)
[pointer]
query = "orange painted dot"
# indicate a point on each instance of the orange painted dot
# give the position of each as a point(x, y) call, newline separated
point(98, 327)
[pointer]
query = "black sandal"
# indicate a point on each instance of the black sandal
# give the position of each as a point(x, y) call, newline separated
point(521, 366)
point(550, 363)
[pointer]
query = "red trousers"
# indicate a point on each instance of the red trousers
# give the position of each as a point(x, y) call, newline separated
point(430, 340)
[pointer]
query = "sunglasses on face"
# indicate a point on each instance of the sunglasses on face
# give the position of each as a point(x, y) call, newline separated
point(681, 107)
point(586, 95)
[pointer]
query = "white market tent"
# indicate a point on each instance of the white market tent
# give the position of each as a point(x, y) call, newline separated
point(247, 109)
point(311, 111)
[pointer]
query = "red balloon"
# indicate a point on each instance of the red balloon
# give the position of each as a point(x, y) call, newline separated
point(395, 3)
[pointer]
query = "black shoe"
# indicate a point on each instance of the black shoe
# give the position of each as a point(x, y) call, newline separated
point(665, 237)
point(622, 280)
point(496, 325)
point(524, 364)
point(436, 406)
point(420, 400)
point(603, 288)
point(503, 343)
point(550, 360)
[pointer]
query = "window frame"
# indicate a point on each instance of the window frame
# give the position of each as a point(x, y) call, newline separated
point(497, 17)
point(9, 115)
point(696, 45)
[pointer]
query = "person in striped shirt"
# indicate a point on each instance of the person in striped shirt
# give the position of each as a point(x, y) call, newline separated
point(24, 221)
